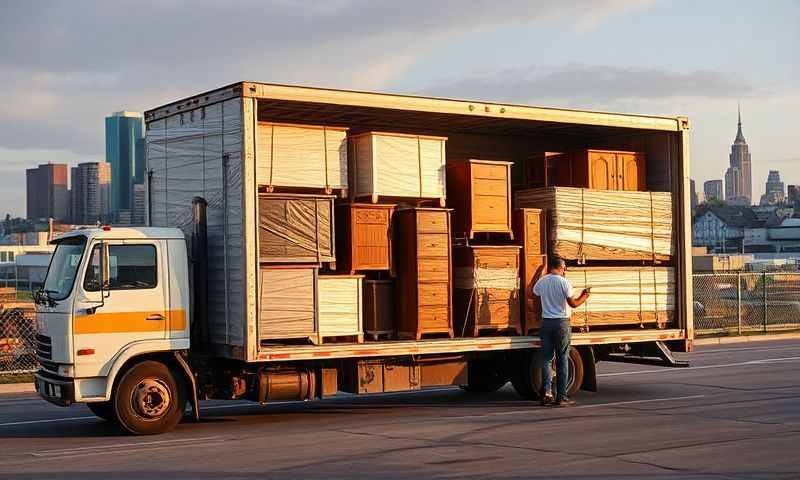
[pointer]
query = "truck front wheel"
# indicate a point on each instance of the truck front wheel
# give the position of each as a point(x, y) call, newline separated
point(148, 399)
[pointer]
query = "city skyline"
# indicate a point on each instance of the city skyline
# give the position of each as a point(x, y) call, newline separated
point(564, 55)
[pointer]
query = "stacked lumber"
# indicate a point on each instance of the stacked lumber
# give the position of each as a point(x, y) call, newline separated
point(585, 224)
point(624, 295)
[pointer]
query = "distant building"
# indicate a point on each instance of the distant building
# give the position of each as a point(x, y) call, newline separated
point(722, 228)
point(693, 194)
point(123, 218)
point(713, 190)
point(793, 196)
point(783, 238)
point(91, 193)
point(138, 213)
point(125, 153)
point(738, 178)
point(47, 195)
point(774, 192)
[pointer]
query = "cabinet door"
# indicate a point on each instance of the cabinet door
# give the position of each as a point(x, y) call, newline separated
point(602, 171)
point(631, 172)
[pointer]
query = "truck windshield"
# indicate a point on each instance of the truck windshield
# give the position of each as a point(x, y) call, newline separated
point(64, 267)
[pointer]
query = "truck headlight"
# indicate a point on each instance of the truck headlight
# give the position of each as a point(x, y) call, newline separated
point(66, 370)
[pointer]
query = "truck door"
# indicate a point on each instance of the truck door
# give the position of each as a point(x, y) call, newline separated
point(125, 305)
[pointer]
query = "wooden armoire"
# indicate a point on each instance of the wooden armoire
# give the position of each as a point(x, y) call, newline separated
point(600, 169)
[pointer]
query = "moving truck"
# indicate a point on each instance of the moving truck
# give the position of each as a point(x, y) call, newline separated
point(138, 322)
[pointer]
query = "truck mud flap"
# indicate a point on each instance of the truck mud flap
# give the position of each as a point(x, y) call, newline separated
point(650, 353)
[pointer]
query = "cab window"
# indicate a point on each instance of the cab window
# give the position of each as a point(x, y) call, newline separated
point(129, 267)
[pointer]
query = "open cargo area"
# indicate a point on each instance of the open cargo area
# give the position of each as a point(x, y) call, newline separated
point(278, 165)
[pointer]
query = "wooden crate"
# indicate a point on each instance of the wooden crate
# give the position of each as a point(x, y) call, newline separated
point(601, 170)
point(398, 166)
point(302, 156)
point(586, 224)
point(364, 237)
point(480, 194)
point(339, 307)
point(287, 303)
point(530, 233)
point(486, 290)
point(296, 228)
point(379, 309)
point(624, 296)
point(424, 276)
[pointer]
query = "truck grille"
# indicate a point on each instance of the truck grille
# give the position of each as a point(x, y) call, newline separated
point(44, 347)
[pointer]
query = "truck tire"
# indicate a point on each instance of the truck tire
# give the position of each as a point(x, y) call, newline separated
point(104, 410)
point(528, 381)
point(574, 378)
point(484, 377)
point(148, 399)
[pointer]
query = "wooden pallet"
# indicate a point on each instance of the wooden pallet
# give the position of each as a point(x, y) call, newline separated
point(425, 334)
point(378, 335)
point(359, 338)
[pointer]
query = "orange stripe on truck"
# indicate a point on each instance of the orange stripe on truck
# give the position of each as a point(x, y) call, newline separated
point(127, 322)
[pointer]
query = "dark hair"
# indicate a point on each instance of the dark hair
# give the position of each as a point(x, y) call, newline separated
point(554, 262)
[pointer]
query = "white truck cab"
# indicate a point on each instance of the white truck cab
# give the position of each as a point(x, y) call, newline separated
point(111, 295)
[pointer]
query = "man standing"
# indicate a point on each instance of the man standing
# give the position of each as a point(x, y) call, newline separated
point(558, 299)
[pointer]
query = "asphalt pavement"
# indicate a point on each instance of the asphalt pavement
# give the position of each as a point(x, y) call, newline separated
point(733, 415)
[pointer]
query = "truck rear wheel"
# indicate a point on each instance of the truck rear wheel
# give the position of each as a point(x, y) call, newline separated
point(148, 399)
point(104, 410)
point(484, 376)
point(528, 383)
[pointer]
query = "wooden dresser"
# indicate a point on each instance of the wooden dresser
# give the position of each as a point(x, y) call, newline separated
point(601, 170)
point(530, 232)
point(379, 310)
point(339, 307)
point(287, 303)
point(480, 194)
point(424, 272)
point(486, 283)
point(301, 156)
point(364, 237)
point(295, 228)
point(394, 165)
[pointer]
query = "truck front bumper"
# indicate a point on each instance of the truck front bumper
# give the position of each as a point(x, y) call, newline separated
point(55, 389)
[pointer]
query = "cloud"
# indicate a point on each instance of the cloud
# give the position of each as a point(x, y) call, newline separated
point(579, 85)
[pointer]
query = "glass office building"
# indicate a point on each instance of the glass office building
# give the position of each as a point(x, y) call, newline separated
point(125, 153)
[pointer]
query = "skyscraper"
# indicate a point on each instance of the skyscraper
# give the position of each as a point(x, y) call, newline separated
point(793, 195)
point(125, 153)
point(693, 194)
point(46, 192)
point(774, 193)
point(713, 190)
point(738, 178)
point(138, 214)
point(91, 193)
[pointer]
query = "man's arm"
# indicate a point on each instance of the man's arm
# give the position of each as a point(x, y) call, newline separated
point(576, 302)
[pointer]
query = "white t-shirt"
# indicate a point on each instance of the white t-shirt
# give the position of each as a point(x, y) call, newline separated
point(553, 291)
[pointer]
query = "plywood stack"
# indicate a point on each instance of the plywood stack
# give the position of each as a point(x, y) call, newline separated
point(586, 224)
point(624, 295)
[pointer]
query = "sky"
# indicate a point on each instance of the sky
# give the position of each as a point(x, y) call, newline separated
point(64, 66)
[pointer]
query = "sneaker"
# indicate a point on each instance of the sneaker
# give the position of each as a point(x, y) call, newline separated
point(547, 400)
point(565, 402)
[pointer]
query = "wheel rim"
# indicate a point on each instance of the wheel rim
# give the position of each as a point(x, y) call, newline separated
point(570, 373)
point(151, 398)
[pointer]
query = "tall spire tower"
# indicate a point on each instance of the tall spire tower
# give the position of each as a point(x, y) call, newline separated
point(738, 178)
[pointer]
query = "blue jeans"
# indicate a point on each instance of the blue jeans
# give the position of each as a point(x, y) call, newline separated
point(555, 334)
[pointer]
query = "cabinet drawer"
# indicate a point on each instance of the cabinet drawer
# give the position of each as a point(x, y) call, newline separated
point(482, 170)
point(434, 317)
point(432, 222)
point(498, 260)
point(433, 269)
point(491, 187)
point(434, 294)
point(433, 245)
point(488, 210)
point(370, 216)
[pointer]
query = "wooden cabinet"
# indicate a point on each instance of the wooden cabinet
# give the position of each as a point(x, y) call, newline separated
point(364, 237)
point(530, 231)
point(398, 166)
point(601, 170)
point(304, 156)
point(480, 194)
point(424, 272)
point(379, 309)
point(486, 290)
point(287, 304)
point(339, 306)
point(295, 228)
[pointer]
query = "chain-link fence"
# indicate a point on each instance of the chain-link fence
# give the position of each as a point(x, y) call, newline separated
point(740, 303)
point(17, 341)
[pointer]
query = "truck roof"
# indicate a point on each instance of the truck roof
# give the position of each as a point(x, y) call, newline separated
point(277, 97)
point(125, 233)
